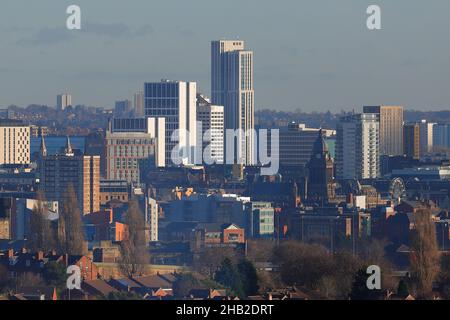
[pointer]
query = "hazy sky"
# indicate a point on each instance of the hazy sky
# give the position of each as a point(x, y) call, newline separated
point(309, 54)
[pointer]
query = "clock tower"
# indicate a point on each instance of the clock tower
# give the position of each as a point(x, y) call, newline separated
point(320, 170)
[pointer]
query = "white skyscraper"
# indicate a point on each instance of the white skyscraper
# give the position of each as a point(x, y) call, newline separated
point(212, 119)
point(391, 128)
point(63, 101)
point(176, 102)
point(426, 137)
point(232, 87)
point(357, 147)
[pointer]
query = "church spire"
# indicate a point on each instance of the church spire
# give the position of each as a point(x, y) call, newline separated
point(69, 150)
point(43, 147)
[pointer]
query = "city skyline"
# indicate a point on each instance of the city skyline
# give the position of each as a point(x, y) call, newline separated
point(292, 69)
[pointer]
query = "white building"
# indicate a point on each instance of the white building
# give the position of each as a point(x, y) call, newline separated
point(152, 218)
point(133, 144)
point(426, 137)
point(357, 147)
point(176, 102)
point(391, 128)
point(211, 118)
point(14, 142)
point(232, 87)
point(63, 101)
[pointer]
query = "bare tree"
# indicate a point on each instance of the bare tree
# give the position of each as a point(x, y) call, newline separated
point(134, 251)
point(29, 279)
point(70, 225)
point(304, 264)
point(41, 236)
point(260, 250)
point(208, 260)
point(424, 252)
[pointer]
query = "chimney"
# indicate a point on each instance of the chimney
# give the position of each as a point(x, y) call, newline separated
point(269, 297)
point(40, 255)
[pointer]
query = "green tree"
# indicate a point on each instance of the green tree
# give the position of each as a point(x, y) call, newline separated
point(134, 252)
point(70, 225)
point(228, 276)
point(402, 289)
point(55, 275)
point(249, 277)
point(184, 284)
point(360, 291)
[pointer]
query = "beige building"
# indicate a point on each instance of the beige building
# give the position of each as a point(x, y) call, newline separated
point(63, 101)
point(426, 137)
point(14, 142)
point(132, 145)
point(391, 128)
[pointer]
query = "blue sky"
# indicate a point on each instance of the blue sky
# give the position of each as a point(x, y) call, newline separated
point(310, 54)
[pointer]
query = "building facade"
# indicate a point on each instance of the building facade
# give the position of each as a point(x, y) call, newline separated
point(63, 101)
point(320, 173)
point(296, 145)
point(175, 101)
point(132, 146)
point(391, 128)
point(426, 137)
point(123, 109)
point(441, 136)
point(411, 138)
point(138, 99)
point(357, 147)
point(211, 118)
point(232, 87)
point(14, 142)
point(260, 220)
point(70, 168)
point(151, 218)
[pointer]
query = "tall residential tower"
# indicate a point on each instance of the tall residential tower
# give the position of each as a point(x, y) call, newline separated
point(357, 147)
point(232, 87)
point(391, 128)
